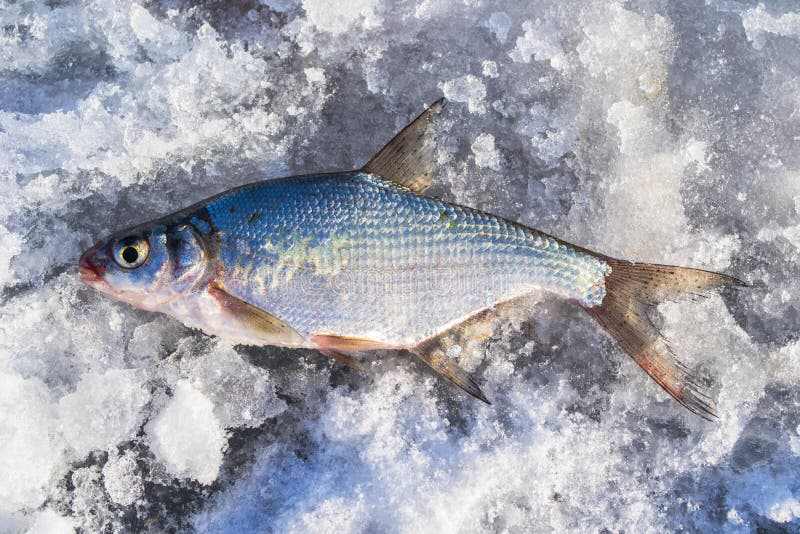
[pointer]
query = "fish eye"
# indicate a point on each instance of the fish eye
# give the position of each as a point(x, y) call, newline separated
point(131, 252)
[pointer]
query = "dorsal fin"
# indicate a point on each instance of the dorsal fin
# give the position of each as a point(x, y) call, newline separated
point(407, 160)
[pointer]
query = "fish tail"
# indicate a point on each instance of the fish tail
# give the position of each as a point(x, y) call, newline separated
point(632, 291)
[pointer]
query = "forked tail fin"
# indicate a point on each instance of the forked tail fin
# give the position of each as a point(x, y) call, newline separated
point(632, 289)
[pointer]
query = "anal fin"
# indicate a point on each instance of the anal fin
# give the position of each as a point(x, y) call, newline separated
point(466, 335)
point(435, 355)
point(431, 351)
point(347, 360)
point(438, 350)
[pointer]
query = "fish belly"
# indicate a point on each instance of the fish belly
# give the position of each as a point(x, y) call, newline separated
point(355, 256)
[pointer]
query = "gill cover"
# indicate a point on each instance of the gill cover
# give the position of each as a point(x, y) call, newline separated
point(145, 266)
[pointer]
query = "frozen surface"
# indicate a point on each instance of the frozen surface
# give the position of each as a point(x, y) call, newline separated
point(186, 437)
point(649, 130)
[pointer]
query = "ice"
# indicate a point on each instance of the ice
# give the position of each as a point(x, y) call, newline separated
point(159, 39)
point(103, 411)
point(649, 130)
point(187, 437)
point(467, 88)
point(121, 480)
point(486, 155)
point(335, 17)
point(49, 522)
point(758, 21)
point(500, 23)
point(541, 42)
point(13, 246)
point(489, 69)
point(243, 395)
point(29, 453)
point(315, 75)
point(785, 511)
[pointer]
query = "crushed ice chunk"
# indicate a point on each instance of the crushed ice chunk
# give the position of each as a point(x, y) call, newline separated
point(453, 351)
point(242, 394)
point(734, 517)
point(499, 23)
point(104, 410)
point(314, 75)
point(785, 511)
point(11, 245)
point(757, 22)
point(186, 436)
point(281, 6)
point(157, 37)
point(540, 41)
point(489, 69)
point(485, 153)
point(30, 454)
point(468, 89)
point(122, 480)
point(49, 522)
point(336, 17)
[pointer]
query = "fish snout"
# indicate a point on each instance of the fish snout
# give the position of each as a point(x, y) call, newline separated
point(91, 271)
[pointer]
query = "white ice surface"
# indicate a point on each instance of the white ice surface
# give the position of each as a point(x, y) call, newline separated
point(103, 410)
point(186, 437)
point(121, 480)
point(649, 130)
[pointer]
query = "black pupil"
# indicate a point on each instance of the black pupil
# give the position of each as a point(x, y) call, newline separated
point(130, 255)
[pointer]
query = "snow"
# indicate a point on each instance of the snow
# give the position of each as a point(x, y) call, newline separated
point(121, 480)
point(186, 436)
point(103, 411)
point(540, 41)
point(757, 21)
point(48, 522)
point(467, 88)
point(486, 155)
point(654, 131)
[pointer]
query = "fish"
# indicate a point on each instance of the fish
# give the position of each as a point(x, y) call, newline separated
point(360, 261)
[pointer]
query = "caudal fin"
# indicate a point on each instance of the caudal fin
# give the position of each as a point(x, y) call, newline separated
point(632, 290)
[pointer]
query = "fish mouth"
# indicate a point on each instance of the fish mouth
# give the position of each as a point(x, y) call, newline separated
point(91, 274)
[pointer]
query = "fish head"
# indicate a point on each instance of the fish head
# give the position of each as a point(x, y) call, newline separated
point(147, 266)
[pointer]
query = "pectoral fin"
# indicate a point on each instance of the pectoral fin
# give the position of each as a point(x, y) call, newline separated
point(408, 159)
point(273, 330)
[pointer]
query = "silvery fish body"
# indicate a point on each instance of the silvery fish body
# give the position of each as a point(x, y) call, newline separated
point(357, 256)
point(358, 261)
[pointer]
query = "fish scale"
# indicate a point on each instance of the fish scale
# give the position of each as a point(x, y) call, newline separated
point(348, 242)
